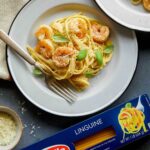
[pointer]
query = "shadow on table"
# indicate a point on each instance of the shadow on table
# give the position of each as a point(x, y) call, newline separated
point(143, 39)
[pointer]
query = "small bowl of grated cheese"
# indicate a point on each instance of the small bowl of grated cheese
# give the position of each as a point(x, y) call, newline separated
point(10, 128)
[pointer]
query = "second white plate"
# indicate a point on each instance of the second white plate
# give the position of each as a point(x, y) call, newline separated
point(127, 14)
point(105, 88)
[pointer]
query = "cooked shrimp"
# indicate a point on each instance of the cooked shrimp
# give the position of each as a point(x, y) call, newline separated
point(100, 33)
point(45, 48)
point(146, 4)
point(78, 26)
point(61, 56)
point(44, 32)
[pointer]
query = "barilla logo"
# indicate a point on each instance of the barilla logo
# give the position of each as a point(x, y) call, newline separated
point(57, 147)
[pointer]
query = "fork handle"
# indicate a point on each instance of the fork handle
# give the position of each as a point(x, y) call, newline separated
point(16, 47)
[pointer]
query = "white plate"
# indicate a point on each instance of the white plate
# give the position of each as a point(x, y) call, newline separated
point(127, 14)
point(105, 88)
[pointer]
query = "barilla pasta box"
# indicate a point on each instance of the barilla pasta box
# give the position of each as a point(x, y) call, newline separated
point(109, 130)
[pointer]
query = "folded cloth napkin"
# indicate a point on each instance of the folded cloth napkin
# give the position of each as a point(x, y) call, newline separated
point(8, 10)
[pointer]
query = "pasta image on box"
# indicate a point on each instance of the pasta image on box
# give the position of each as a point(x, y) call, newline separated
point(109, 130)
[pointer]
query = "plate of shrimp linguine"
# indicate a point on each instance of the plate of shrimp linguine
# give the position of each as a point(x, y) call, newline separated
point(77, 43)
point(73, 48)
point(133, 14)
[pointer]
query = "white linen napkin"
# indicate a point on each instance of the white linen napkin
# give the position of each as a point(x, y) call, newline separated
point(8, 10)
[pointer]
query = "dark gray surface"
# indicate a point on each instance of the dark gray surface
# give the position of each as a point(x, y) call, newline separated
point(47, 124)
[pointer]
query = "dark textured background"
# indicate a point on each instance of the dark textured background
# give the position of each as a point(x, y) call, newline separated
point(47, 124)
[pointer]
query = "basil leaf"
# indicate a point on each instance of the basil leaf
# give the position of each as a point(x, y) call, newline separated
point(128, 105)
point(89, 74)
point(60, 39)
point(108, 49)
point(99, 57)
point(37, 72)
point(82, 54)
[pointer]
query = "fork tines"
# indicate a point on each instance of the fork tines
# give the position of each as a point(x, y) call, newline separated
point(62, 90)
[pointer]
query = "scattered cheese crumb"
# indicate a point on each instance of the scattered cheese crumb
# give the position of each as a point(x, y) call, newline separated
point(32, 127)
point(25, 126)
point(31, 132)
point(23, 110)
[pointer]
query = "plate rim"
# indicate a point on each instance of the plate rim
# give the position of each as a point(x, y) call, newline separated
point(66, 114)
point(119, 21)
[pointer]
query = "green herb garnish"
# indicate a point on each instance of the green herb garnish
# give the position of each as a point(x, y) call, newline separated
point(89, 74)
point(108, 49)
point(59, 39)
point(82, 54)
point(37, 72)
point(99, 57)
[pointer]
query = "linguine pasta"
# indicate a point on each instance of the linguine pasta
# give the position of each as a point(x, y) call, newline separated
point(73, 48)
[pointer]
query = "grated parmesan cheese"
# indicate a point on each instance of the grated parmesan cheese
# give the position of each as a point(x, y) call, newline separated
point(8, 129)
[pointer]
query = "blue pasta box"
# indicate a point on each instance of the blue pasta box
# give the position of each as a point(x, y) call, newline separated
point(109, 130)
